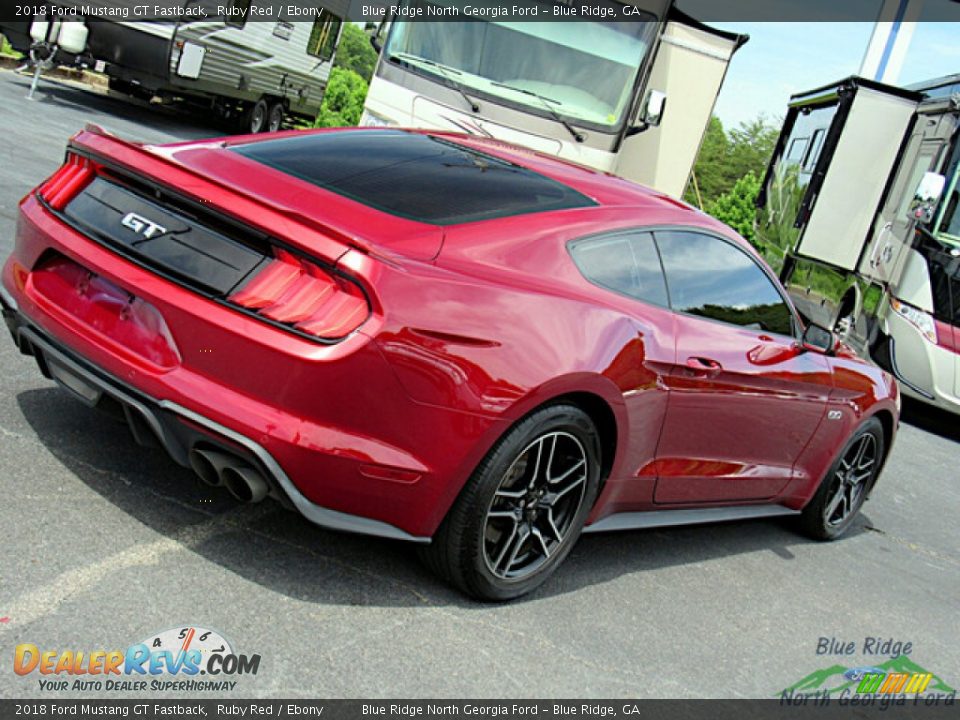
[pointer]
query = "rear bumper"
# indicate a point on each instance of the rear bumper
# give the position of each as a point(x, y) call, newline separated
point(177, 429)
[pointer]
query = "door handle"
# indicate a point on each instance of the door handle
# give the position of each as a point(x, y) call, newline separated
point(703, 366)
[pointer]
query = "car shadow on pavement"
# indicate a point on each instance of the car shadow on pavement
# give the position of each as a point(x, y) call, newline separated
point(285, 553)
point(933, 420)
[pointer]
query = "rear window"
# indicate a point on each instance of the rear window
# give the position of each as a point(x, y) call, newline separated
point(626, 263)
point(419, 177)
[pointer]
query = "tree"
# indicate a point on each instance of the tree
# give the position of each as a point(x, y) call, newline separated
point(355, 52)
point(737, 208)
point(342, 100)
point(726, 157)
point(710, 166)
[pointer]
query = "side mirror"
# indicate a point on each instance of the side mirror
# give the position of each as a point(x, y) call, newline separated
point(926, 197)
point(818, 339)
point(654, 108)
point(375, 44)
point(650, 114)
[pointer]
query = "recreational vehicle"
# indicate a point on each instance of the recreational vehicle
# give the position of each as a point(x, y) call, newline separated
point(236, 64)
point(631, 96)
point(858, 214)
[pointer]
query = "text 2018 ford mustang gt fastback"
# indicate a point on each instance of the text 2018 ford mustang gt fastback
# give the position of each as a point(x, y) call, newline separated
point(441, 339)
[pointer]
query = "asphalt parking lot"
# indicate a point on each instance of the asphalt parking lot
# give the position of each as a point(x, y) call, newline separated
point(106, 543)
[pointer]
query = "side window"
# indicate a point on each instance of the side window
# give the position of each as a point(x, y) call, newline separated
point(796, 150)
point(714, 279)
point(626, 263)
point(813, 154)
point(323, 36)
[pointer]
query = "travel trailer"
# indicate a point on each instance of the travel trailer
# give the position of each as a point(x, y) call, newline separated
point(858, 214)
point(629, 96)
point(253, 72)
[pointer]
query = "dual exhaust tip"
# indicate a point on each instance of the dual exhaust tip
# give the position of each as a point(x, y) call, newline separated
point(219, 469)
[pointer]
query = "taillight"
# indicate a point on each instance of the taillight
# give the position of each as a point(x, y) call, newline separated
point(66, 182)
point(299, 294)
point(921, 320)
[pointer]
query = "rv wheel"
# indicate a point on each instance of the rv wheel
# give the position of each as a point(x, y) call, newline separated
point(255, 119)
point(275, 118)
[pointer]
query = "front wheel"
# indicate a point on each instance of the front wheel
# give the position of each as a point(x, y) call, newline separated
point(523, 508)
point(846, 485)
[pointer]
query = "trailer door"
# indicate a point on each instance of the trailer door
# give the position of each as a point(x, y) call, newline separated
point(892, 235)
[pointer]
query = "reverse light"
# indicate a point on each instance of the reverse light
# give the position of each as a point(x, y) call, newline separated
point(921, 320)
point(65, 183)
point(301, 295)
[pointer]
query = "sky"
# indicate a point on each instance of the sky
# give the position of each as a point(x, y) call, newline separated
point(790, 57)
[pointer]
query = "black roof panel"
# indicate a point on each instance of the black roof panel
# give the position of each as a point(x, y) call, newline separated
point(419, 177)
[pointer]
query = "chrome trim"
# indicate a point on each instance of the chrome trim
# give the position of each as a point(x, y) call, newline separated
point(324, 517)
point(669, 518)
point(7, 299)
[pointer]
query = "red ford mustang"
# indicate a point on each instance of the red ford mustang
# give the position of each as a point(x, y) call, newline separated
point(440, 339)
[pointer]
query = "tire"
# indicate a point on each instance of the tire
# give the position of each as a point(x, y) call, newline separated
point(517, 519)
point(275, 117)
point(847, 484)
point(254, 120)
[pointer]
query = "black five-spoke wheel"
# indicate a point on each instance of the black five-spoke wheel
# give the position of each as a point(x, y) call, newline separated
point(524, 507)
point(847, 484)
point(850, 480)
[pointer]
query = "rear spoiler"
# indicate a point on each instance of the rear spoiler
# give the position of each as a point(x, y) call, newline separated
point(140, 162)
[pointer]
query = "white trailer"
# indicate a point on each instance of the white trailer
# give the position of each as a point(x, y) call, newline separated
point(241, 67)
point(631, 97)
point(858, 214)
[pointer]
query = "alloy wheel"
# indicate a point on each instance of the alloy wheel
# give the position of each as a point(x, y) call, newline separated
point(851, 481)
point(534, 507)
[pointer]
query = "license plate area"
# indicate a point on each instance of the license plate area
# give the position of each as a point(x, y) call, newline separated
point(103, 312)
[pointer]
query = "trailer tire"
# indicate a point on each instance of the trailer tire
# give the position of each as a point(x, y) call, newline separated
point(275, 116)
point(254, 120)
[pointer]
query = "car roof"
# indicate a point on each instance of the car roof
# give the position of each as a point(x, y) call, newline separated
point(422, 177)
point(443, 178)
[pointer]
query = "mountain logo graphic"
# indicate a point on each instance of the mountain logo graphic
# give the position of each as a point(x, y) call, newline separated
point(899, 674)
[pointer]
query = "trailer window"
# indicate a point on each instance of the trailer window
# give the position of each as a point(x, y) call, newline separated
point(240, 9)
point(323, 36)
point(585, 71)
point(797, 148)
point(627, 264)
point(813, 154)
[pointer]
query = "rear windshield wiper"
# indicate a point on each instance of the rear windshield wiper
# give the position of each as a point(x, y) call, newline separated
point(444, 71)
point(545, 102)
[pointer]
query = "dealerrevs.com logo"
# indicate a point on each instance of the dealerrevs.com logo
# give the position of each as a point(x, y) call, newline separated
point(182, 659)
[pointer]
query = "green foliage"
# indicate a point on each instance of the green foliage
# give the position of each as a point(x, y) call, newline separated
point(7, 49)
point(342, 100)
point(775, 231)
point(725, 157)
point(737, 208)
point(355, 52)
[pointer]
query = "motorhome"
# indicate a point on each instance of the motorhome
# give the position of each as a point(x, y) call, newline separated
point(858, 214)
point(250, 71)
point(631, 96)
